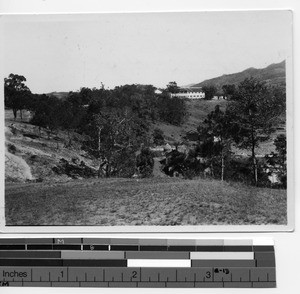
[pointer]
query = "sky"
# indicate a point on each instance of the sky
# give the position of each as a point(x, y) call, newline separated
point(67, 52)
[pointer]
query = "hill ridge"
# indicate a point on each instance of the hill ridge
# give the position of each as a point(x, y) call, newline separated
point(273, 74)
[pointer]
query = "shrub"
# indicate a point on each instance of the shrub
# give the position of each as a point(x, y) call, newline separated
point(158, 137)
point(12, 148)
point(145, 163)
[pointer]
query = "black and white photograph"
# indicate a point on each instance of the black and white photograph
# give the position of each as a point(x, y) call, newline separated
point(148, 120)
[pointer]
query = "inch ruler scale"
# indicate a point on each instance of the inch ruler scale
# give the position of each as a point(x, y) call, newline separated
point(116, 262)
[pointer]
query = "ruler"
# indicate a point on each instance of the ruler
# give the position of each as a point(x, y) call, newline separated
point(116, 262)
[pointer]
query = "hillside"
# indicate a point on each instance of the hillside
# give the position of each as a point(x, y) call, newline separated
point(273, 74)
point(154, 201)
point(34, 155)
point(49, 182)
point(31, 154)
point(197, 112)
point(60, 95)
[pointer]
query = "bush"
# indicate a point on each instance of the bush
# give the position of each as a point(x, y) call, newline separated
point(180, 163)
point(172, 110)
point(12, 148)
point(158, 137)
point(145, 163)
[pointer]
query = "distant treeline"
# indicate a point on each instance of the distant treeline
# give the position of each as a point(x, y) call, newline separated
point(52, 112)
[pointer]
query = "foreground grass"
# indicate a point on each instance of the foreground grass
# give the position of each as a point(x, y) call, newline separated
point(110, 202)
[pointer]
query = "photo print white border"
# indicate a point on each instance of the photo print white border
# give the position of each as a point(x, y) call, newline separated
point(165, 229)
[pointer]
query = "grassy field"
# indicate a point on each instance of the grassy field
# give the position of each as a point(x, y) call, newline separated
point(164, 202)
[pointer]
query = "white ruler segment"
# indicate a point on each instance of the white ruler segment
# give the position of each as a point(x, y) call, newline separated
point(222, 255)
point(158, 263)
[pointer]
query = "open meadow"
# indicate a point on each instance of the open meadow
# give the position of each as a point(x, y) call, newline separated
point(134, 202)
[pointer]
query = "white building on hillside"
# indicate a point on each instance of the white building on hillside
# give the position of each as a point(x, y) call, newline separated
point(190, 93)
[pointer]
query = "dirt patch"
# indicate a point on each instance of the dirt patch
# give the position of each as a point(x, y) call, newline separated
point(157, 169)
point(16, 168)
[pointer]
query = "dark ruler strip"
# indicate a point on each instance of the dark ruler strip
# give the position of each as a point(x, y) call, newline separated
point(12, 284)
point(265, 259)
point(223, 263)
point(66, 247)
point(210, 248)
point(209, 285)
point(263, 248)
point(264, 255)
point(265, 263)
point(153, 248)
point(143, 284)
point(12, 247)
point(124, 247)
point(98, 263)
point(264, 284)
point(151, 285)
point(237, 285)
point(180, 285)
point(37, 284)
point(31, 262)
point(94, 284)
point(65, 284)
point(238, 248)
point(30, 254)
point(39, 247)
point(122, 284)
point(181, 248)
point(95, 247)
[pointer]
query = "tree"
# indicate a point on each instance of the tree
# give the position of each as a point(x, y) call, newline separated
point(172, 88)
point(277, 161)
point(115, 136)
point(216, 137)
point(229, 91)
point(158, 137)
point(144, 162)
point(16, 93)
point(210, 92)
point(172, 110)
point(253, 114)
point(48, 112)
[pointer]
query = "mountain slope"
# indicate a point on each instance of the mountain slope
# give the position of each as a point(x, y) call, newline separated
point(59, 95)
point(273, 74)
